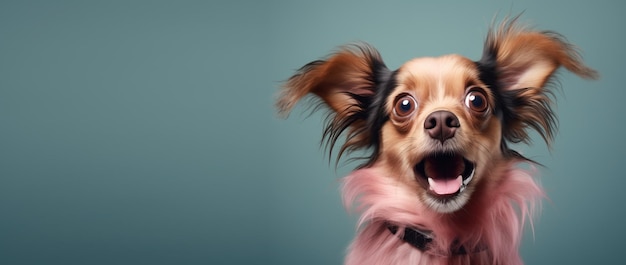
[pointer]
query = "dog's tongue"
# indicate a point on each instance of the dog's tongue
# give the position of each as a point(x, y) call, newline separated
point(445, 186)
point(444, 173)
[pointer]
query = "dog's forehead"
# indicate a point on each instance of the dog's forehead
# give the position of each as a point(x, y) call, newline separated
point(449, 74)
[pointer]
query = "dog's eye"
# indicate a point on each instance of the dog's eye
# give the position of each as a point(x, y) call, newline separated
point(405, 106)
point(476, 101)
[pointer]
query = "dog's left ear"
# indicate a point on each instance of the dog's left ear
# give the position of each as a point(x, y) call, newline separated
point(353, 83)
point(517, 63)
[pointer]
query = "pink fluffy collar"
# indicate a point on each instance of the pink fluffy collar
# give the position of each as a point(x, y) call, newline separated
point(488, 228)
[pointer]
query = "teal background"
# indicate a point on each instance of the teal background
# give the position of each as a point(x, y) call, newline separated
point(143, 132)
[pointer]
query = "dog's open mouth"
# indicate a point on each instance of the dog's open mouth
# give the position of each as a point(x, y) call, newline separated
point(445, 175)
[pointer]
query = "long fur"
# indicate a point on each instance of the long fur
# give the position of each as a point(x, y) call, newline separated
point(506, 49)
point(354, 82)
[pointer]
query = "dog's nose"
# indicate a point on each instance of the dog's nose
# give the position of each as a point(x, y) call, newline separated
point(441, 125)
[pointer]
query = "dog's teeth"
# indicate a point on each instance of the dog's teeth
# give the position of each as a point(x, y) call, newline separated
point(466, 181)
point(464, 185)
point(431, 182)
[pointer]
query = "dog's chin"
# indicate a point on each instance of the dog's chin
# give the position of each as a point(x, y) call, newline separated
point(446, 179)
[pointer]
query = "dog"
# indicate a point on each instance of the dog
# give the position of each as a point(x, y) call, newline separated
point(440, 184)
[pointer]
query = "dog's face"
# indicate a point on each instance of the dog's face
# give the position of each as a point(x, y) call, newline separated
point(438, 125)
point(442, 133)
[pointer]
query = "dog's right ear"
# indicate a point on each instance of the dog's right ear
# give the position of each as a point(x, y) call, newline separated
point(352, 82)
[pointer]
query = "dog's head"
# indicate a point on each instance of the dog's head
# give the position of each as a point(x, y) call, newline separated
point(440, 124)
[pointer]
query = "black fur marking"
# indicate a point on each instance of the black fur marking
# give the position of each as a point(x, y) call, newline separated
point(365, 117)
point(377, 115)
point(488, 74)
point(505, 100)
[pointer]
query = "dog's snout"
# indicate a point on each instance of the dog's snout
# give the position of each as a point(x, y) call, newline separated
point(441, 125)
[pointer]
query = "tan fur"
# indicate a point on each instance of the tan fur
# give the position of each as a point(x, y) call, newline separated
point(438, 84)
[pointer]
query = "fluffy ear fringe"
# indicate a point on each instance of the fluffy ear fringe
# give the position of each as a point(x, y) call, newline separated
point(347, 71)
point(519, 64)
point(347, 82)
